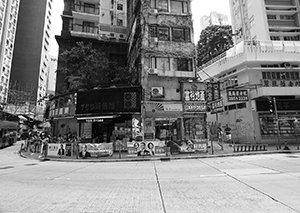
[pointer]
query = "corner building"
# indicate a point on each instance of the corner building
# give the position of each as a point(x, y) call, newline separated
point(161, 53)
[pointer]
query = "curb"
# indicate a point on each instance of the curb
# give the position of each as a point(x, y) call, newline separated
point(163, 159)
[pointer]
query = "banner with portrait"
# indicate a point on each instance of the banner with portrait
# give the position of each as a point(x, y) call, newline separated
point(146, 148)
point(95, 149)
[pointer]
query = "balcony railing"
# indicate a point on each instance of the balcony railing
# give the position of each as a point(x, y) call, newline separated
point(90, 10)
point(85, 29)
point(113, 28)
point(266, 47)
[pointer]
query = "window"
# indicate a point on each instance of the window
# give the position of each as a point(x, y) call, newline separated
point(184, 64)
point(162, 33)
point(160, 63)
point(89, 8)
point(286, 17)
point(291, 38)
point(88, 27)
point(181, 34)
point(119, 6)
point(280, 75)
point(119, 22)
point(179, 7)
point(271, 16)
point(161, 5)
point(275, 38)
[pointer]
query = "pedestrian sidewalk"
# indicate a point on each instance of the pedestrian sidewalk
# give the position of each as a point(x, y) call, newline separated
point(217, 151)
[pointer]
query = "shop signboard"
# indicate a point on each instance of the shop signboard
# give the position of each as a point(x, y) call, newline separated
point(109, 100)
point(216, 106)
point(213, 92)
point(146, 148)
point(234, 95)
point(86, 130)
point(194, 97)
point(195, 106)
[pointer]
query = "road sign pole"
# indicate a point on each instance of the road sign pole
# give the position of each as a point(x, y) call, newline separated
point(277, 123)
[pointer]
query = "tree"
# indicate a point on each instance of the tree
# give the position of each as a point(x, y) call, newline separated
point(214, 40)
point(85, 68)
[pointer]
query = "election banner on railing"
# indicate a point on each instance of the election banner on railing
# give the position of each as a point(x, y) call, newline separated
point(146, 148)
point(85, 149)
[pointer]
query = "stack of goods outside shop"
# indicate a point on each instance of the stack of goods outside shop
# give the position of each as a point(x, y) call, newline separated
point(115, 120)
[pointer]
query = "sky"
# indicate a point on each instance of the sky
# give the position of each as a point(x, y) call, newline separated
point(199, 9)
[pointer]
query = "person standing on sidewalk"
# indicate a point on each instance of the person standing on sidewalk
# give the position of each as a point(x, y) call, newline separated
point(76, 147)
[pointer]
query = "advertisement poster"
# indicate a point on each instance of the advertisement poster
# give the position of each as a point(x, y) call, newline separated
point(86, 130)
point(98, 150)
point(53, 148)
point(146, 148)
point(194, 146)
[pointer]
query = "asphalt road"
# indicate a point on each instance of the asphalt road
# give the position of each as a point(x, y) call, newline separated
point(258, 183)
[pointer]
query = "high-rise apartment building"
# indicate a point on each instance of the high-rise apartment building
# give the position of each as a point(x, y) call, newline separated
point(214, 18)
point(266, 19)
point(9, 10)
point(32, 51)
point(100, 22)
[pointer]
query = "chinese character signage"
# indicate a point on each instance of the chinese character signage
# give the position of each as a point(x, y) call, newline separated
point(195, 107)
point(212, 91)
point(237, 95)
point(280, 83)
point(194, 97)
point(110, 100)
point(216, 105)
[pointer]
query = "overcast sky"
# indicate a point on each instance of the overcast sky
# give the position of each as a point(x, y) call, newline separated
point(199, 9)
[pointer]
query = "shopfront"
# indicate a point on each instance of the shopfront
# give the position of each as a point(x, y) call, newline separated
point(107, 115)
point(288, 112)
point(163, 121)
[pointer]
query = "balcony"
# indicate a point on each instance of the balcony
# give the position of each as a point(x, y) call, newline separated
point(281, 10)
point(252, 51)
point(84, 31)
point(93, 10)
point(113, 29)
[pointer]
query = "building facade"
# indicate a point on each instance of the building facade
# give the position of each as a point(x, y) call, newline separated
point(9, 10)
point(31, 57)
point(102, 23)
point(162, 54)
point(214, 18)
point(266, 19)
point(260, 90)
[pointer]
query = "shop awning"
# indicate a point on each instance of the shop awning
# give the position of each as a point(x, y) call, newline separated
point(8, 125)
point(97, 117)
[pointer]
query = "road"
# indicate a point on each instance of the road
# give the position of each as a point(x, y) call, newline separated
point(258, 183)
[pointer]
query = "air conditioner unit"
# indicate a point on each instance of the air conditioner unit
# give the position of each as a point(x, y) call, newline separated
point(152, 71)
point(153, 10)
point(153, 39)
point(157, 92)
